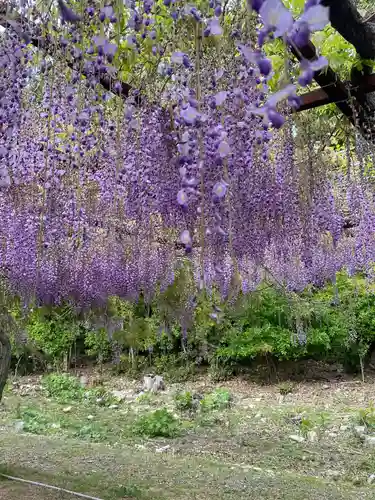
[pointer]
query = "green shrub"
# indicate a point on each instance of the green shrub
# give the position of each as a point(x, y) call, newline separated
point(54, 330)
point(34, 421)
point(216, 400)
point(334, 323)
point(63, 388)
point(98, 396)
point(160, 423)
point(367, 417)
point(306, 426)
point(184, 401)
point(221, 370)
point(132, 366)
point(95, 432)
point(175, 368)
point(98, 344)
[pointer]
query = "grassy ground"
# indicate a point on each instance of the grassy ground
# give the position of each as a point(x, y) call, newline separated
point(242, 450)
point(15, 491)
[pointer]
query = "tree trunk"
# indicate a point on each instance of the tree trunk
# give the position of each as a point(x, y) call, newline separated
point(5, 355)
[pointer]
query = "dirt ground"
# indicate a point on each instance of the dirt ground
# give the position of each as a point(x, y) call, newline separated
point(14, 491)
point(292, 441)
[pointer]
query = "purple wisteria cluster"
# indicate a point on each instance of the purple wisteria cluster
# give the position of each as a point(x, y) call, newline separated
point(105, 192)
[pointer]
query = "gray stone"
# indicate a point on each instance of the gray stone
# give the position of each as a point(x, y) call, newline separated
point(153, 383)
point(113, 407)
point(360, 431)
point(19, 426)
point(369, 441)
point(148, 383)
point(297, 419)
point(371, 478)
point(158, 384)
point(297, 438)
point(163, 449)
point(67, 409)
point(312, 436)
point(83, 380)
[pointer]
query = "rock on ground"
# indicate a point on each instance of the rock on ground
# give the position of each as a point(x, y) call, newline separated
point(369, 441)
point(153, 383)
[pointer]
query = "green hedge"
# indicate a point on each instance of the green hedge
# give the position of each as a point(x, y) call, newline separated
point(334, 323)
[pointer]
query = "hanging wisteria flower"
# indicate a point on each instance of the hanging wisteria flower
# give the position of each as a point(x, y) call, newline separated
point(214, 27)
point(106, 12)
point(178, 57)
point(281, 95)
point(220, 97)
point(276, 17)
point(265, 66)
point(276, 118)
point(314, 18)
point(268, 111)
point(220, 189)
point(255, 4)
point(186, 240)
point(164, 69)
point(67, 14)
point(248, 53)
point(182, 198)
point(223, 149)
point(104, 46)
point(4, 178)
point(309, 68)
point(189, 114)
point(175, 159)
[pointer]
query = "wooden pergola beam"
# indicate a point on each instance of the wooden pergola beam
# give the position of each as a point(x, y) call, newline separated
point(334, 90)
point(320, 97)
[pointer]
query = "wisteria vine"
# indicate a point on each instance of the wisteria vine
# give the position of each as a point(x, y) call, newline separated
point(105, 194)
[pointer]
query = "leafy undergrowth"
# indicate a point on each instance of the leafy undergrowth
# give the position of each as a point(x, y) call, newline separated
point(194, 442)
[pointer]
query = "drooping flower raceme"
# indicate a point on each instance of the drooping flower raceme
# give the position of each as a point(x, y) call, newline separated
point(103, 197)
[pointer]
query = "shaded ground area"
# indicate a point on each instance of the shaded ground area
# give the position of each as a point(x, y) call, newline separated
point(295, 442)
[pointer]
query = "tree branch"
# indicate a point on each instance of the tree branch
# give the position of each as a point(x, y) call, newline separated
point(346, 19)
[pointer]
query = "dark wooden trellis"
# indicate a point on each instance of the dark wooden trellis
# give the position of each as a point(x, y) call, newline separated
point(353, 98)
point(348, 96)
